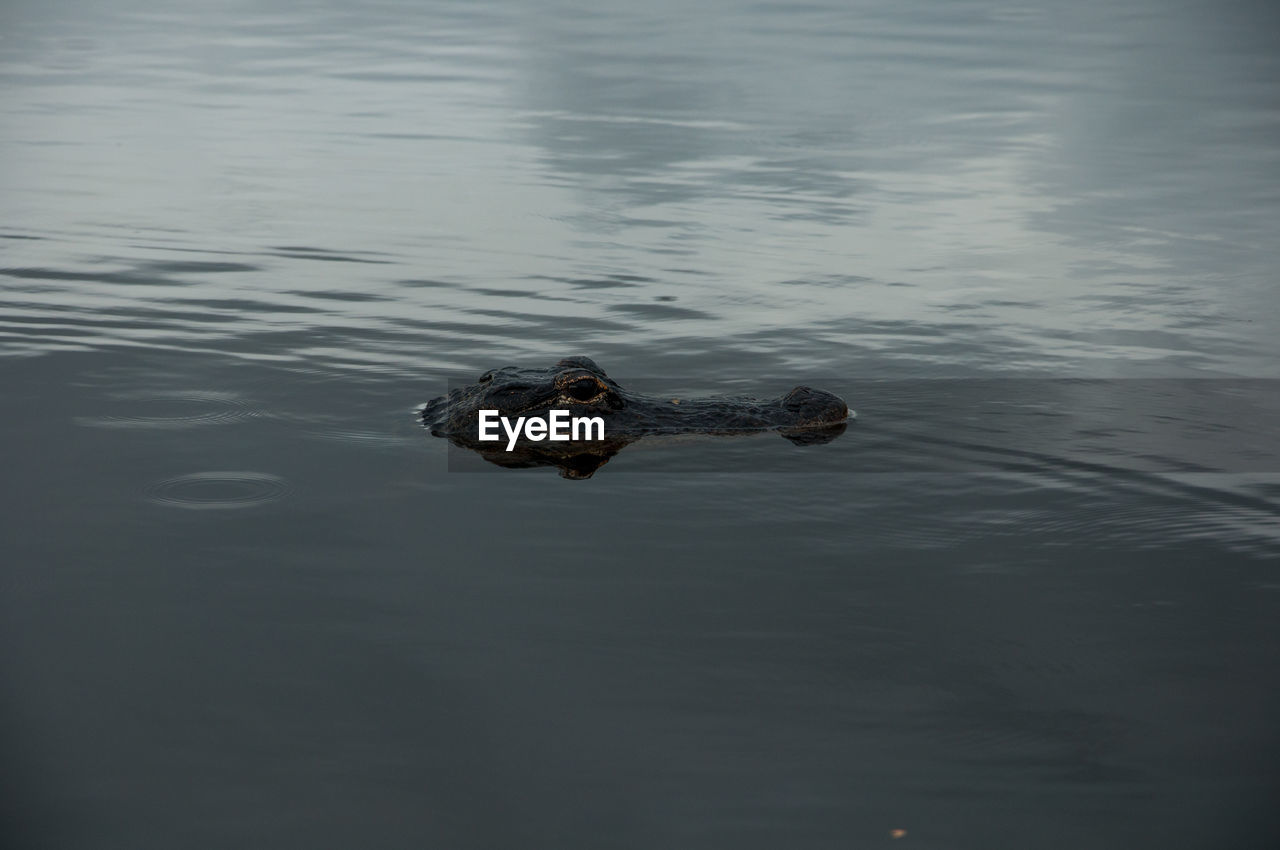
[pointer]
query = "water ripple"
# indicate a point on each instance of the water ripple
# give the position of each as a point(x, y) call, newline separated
point(174, 410)
point(222, 490)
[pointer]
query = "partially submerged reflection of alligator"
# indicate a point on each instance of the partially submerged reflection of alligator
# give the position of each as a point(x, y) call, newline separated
point(804, 416)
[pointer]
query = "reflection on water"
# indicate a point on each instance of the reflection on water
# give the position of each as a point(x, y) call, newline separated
point(580, 459)
point(245, 596)
point(420, 187)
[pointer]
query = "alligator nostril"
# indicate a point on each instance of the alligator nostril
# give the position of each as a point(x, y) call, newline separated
point(816, 405)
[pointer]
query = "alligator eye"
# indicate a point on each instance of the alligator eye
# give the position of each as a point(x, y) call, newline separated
point(584, 390)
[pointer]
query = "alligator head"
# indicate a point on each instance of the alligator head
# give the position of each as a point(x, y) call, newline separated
point(576, 384)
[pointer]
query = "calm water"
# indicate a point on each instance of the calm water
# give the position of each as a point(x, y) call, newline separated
point(1029, 599)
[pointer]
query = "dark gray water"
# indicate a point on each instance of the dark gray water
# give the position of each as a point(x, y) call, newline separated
point(1029, 599)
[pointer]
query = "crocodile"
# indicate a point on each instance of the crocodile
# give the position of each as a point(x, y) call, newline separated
point(804, 416)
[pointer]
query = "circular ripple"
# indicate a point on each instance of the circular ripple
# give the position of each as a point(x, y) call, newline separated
point(364, 439)
point(213, 491)
point(173, 410)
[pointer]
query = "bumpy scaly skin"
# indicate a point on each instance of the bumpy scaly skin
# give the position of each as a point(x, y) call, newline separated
point(804, 416)
point(578, 385)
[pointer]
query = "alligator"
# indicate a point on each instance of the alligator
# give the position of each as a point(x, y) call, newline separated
point(804, 416)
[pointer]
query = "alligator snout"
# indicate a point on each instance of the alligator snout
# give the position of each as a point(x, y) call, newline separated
point(808, 406)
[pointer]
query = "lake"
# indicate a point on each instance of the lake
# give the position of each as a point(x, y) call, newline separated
point(1029, 598)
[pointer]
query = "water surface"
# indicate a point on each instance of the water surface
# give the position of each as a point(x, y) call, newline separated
point(1028, 599)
